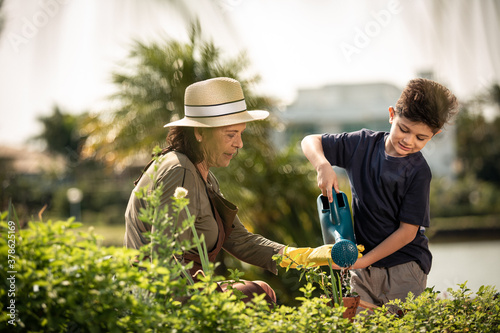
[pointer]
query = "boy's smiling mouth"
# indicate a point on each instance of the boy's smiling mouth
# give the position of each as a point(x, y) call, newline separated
point(402, 146)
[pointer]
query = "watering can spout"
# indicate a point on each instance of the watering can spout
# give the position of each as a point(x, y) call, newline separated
point(337, 229)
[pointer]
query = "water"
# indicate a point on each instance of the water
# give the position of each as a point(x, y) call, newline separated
point(476, 262)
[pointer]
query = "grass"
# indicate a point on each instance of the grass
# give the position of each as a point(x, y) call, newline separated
point(113, 234)
point(464, 227)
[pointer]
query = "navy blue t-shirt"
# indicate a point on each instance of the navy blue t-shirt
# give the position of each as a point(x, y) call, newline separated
point(386, 190)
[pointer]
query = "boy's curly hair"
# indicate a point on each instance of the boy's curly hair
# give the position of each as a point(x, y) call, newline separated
point(427, 101)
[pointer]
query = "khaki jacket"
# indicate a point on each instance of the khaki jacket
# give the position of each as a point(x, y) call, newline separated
point(176, 170)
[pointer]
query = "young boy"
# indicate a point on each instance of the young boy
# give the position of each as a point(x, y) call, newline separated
point(390, 183)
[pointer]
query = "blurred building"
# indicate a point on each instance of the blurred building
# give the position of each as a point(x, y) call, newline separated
point(23, 161)
point(349, 107)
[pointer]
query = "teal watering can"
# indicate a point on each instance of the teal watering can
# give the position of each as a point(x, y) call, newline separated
point(336, 227)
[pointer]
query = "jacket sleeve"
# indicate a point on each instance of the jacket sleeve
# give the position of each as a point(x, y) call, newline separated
point(252, 248)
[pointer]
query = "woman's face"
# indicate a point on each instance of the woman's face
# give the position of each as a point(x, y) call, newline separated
point(221, 144)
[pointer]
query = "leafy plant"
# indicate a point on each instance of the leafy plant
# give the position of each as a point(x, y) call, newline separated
point(430, 313)
point(66, 281)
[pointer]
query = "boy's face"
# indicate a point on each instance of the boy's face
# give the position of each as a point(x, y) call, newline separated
point(406, 136)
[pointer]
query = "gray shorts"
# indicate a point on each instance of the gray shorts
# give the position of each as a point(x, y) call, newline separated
point(379, 285)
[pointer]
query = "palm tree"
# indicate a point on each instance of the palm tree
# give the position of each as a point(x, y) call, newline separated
point(151, 94)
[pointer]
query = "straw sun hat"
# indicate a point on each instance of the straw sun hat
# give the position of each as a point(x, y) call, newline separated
point(214, 103)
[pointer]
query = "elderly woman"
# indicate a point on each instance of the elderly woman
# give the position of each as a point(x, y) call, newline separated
point(208, 136)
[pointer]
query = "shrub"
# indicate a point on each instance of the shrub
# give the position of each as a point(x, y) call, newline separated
point(429, 313)
point(58, 278)
point(66, 282)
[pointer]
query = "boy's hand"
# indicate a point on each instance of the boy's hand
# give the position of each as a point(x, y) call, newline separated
point(312, 147)
point(327, 179)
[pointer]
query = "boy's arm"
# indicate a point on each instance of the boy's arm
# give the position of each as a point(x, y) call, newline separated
point(327, 178)
point(402, 236)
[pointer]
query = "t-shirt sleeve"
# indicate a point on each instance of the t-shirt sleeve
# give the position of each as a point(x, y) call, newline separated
point(415, 206)
point(339, 148)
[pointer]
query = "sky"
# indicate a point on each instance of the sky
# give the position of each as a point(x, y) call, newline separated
point(62, 52)
point(298, 45)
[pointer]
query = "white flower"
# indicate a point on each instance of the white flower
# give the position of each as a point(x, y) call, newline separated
point(180, 193)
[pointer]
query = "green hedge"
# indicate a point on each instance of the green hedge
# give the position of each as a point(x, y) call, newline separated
point(67, 282)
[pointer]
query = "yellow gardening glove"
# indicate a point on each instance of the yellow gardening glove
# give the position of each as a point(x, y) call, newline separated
point(319, 256)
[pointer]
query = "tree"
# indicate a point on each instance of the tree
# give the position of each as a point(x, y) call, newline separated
point(104, 193)
point(60, 134)
point(151, 94)
point(478, 140)
point(34, 190)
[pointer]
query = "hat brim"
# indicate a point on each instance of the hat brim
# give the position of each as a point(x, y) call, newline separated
point(226, 120)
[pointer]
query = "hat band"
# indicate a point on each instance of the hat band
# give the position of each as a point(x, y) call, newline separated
point(204, 111)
